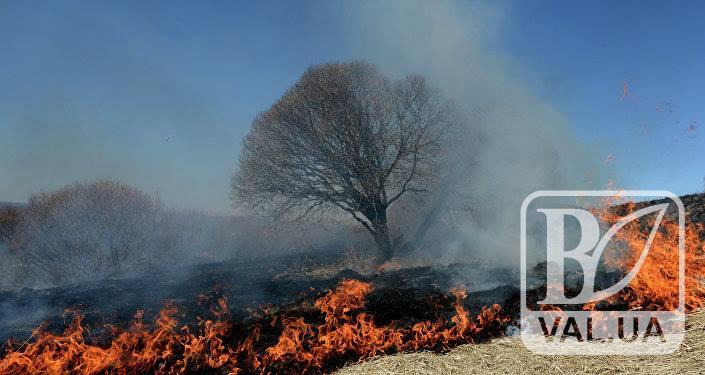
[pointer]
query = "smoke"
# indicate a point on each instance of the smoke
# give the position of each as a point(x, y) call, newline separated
point(108, 230)
point(514, 141)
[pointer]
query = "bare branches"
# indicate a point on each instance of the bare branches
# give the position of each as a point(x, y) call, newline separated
point(343, 140)
point(87, 231)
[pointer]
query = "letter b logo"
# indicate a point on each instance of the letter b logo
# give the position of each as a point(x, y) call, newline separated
point(571, 241)
point(588, 251)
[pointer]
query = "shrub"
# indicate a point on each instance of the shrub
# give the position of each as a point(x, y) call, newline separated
point(88, 231)
point(9, 218)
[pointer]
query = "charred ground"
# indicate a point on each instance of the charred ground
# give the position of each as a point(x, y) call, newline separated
point(266, 292)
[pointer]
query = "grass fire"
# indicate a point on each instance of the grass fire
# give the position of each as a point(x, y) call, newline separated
point(344, 331)
point(376, 187)
point(323, 331)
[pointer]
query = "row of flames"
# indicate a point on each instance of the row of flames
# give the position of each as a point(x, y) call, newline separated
point(347, 332)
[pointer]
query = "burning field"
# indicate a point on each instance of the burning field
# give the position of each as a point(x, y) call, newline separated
point(358, 317)
point(375, 187)
point(334, 330)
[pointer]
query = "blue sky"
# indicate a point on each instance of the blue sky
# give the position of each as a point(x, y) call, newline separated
point(578, 55)
point(159, 95)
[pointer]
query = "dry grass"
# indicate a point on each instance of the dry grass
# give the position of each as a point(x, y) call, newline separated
point(508, 356)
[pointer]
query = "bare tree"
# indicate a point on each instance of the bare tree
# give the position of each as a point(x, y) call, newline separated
point(345, 140)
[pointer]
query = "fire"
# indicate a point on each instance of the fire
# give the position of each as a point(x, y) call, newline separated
point(655, 286)
point(346, 332)
point(340, 329)
point(136, 351)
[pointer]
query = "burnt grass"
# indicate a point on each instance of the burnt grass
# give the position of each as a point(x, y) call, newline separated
point(256, 290)
point(403, 296)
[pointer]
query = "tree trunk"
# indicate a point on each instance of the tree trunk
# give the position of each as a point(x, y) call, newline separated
point(380, 232)
point(384, 243)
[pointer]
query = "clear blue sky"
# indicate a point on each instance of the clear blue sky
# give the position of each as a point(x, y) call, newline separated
point(160, 94)
point(580, 54)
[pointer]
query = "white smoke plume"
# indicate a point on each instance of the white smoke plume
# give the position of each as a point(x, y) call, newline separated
point(516, 142)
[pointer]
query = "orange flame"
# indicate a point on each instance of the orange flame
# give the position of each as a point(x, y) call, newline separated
point(655, 286)
point(347, 332)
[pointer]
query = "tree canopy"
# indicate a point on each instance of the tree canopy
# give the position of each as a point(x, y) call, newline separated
point(344, 139)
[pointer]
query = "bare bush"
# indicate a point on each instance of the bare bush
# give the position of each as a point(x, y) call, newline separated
point(9, 264)
point(345, 140)
point(88, 231)
point(9, 218)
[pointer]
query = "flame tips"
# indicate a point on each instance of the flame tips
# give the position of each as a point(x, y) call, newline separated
point(347, 330)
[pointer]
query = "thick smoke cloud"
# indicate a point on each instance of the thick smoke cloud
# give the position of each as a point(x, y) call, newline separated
point(515, 143)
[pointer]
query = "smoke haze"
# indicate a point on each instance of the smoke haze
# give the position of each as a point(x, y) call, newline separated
point(516, 142)
point(131, 98)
